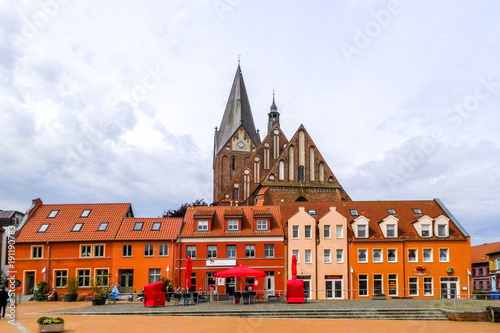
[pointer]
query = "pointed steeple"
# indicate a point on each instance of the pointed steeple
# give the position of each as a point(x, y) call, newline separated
point(237, 113)
point(274, 116)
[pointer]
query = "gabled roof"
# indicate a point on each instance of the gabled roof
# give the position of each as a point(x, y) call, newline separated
point(479, 253)
point(169, 229)
point(60, 227)
point(237, 113)
point(217, 228)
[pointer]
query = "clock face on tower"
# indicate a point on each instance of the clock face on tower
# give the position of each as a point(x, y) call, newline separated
point(240, 145)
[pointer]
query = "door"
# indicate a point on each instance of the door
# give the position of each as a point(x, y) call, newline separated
point(307, 285)
point(29, 282)
point(127, 281)
point(230, 285)
point(337, 289)
point(449, 287)
point(269, 284)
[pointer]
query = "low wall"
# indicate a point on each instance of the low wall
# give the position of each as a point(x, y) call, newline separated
point(471, 315)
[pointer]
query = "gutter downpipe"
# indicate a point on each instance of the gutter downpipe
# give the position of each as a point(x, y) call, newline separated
point(47, 271)
point(404, 270)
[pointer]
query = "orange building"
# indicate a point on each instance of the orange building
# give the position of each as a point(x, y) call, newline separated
point(218, 238)
point(90, 241)
point(406, 249)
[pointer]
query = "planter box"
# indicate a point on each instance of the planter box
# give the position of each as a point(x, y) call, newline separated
point(71, 297)
point(379, 297)
point(98, 301)
point(51, 327)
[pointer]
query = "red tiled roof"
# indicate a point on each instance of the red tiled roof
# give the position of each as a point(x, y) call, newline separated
point(169, 229)
point(60, 226)
point(188, 229)
point(479, 253)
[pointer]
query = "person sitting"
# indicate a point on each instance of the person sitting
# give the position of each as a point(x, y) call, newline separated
point(52, 296)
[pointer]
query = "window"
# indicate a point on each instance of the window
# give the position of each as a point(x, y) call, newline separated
point(307, 257)
point(443, 255)
point(326, 231)
point(154, 275)
point(138, 226)
point(52, 215)
point(98, 250)
point(163, 250)
point(250, 251)
point(191, 251)
point(127, 250)
point(417, 211)
point(37, 252)
point(391, 255)
point(84, 278)
point(354, 212)
point(312, 212)
point(340, 231)
point(232, 225)
point(362, 255)
point(211, 251)
point(426, 230)
point(427, 255)
point(85, 251)
point(362, 231)
point(85, 213)
point(102, 276)
point(230, 251)
point(393, 284)
point(156, 226)
point(262, 225)
point(149, 250)
point(269, 250)
point(307, 231)
point(340, 256)
point(377, 284)
point(441, 230)
point(391, 230)
point(43, 227)
point(61, 279)
point(327, 257)
point(412, 255)
point(203, 225)
point(428, 289)
point(391, 211)
point(363, 285)
point(413, 286)
point(77, 227)
point(296, 254)
point(103, 226)
point(377, 255)
point(295, 231)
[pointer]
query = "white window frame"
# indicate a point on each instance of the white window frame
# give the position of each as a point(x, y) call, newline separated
point(447, 254)
point(415, 283)
point(381, 255)
point(327, 256)
point(39, 252)
point(96, 251)
point(395, 255)
point(191, 251)
point(163, 250)
point(366, 255)
point(295, 232)
point(211, 251)
point(339, 231)
point(128, 246)
point(430, 258)
point(416, 255)
point(233, 225)
point(230, 248)
point(426, 284)
point(83, 283)
point(365, 231)
point(442, 227)
point(296, 254)
point(262, 225)
point(250, 251)
point(87, 255)
point(308, 257)
point(57, 279)
point(149, 250)
point(392, 277)
point(339, 259)
point(428, 227)
point(363, 292)
point(307, 232)
point(203, 225)
point(154, 275)
point(269, 250)
point(327, 233)
point(393, 231)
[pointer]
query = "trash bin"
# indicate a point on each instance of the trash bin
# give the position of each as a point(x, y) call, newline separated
point(495, 295)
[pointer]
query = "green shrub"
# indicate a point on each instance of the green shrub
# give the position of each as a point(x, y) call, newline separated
point(50, 320)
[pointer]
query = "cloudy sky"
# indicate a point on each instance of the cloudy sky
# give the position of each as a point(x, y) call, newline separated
point(117, 101)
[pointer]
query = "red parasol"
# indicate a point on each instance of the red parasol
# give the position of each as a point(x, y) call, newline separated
point(294, 267)
point(240, 271)
point(189, 270)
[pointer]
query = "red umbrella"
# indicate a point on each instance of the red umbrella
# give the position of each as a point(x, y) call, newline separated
point(240, 271)
point(294, 267)
point(189, 270)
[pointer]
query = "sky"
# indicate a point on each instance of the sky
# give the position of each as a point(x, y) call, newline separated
point(117, 101)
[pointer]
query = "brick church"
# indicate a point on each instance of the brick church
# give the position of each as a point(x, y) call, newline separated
point(251, 171)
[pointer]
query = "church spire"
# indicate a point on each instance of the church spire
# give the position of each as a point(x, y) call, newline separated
point(237, 113)
point(274, 116)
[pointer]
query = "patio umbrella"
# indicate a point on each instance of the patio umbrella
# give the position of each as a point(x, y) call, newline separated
point(239, 271)
point(294, 267)
point(189, 270)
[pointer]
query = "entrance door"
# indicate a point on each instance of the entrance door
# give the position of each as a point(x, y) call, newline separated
point(333, 288)
point(29, 282)
point(449, 287)
point(126, 281)
point(269, 284)
point(230, 285)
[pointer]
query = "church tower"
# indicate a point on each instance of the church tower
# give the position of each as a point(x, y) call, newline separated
point(234, 142)
point(274, 117)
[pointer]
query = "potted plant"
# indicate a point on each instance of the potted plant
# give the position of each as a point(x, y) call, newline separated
point(73, 286)
point(100, 289)
point(41, 291)
point(379, 296)
point(50, 324)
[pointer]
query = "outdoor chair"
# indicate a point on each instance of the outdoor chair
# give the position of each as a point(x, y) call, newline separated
point(195, 298)
point(177, 298)
point(245, 297)
point(186, 298)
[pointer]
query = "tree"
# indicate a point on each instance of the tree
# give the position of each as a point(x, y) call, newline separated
point(181, 211)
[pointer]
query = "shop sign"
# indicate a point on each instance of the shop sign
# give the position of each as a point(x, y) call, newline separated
point(420, 271)
point(333, 277)
point(222, 262)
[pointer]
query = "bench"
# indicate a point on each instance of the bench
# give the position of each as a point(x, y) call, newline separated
point(495, 312)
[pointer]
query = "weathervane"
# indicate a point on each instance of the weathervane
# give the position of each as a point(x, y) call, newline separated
point(239, 57)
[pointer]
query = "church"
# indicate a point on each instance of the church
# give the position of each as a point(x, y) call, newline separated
point(250, 171)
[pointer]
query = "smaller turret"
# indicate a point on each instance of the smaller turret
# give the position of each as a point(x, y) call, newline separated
point(274, 116)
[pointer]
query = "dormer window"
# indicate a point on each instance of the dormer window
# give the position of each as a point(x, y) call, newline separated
point(442, 230)
point(262, 225)
point(85, 213)
point(203, 225)
point(138, 226)
point(77, 227)
point(361, 231)
point(391, 211)
point(423, 226)
point(441, 226)
point(389, 226)
point(43, 227)
point(103, 226)
point(354, 212)
point(360, 227)
point(53, 214)
point(156, 226)
point(426, 230)
point(233, 225)
point(391, 230)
